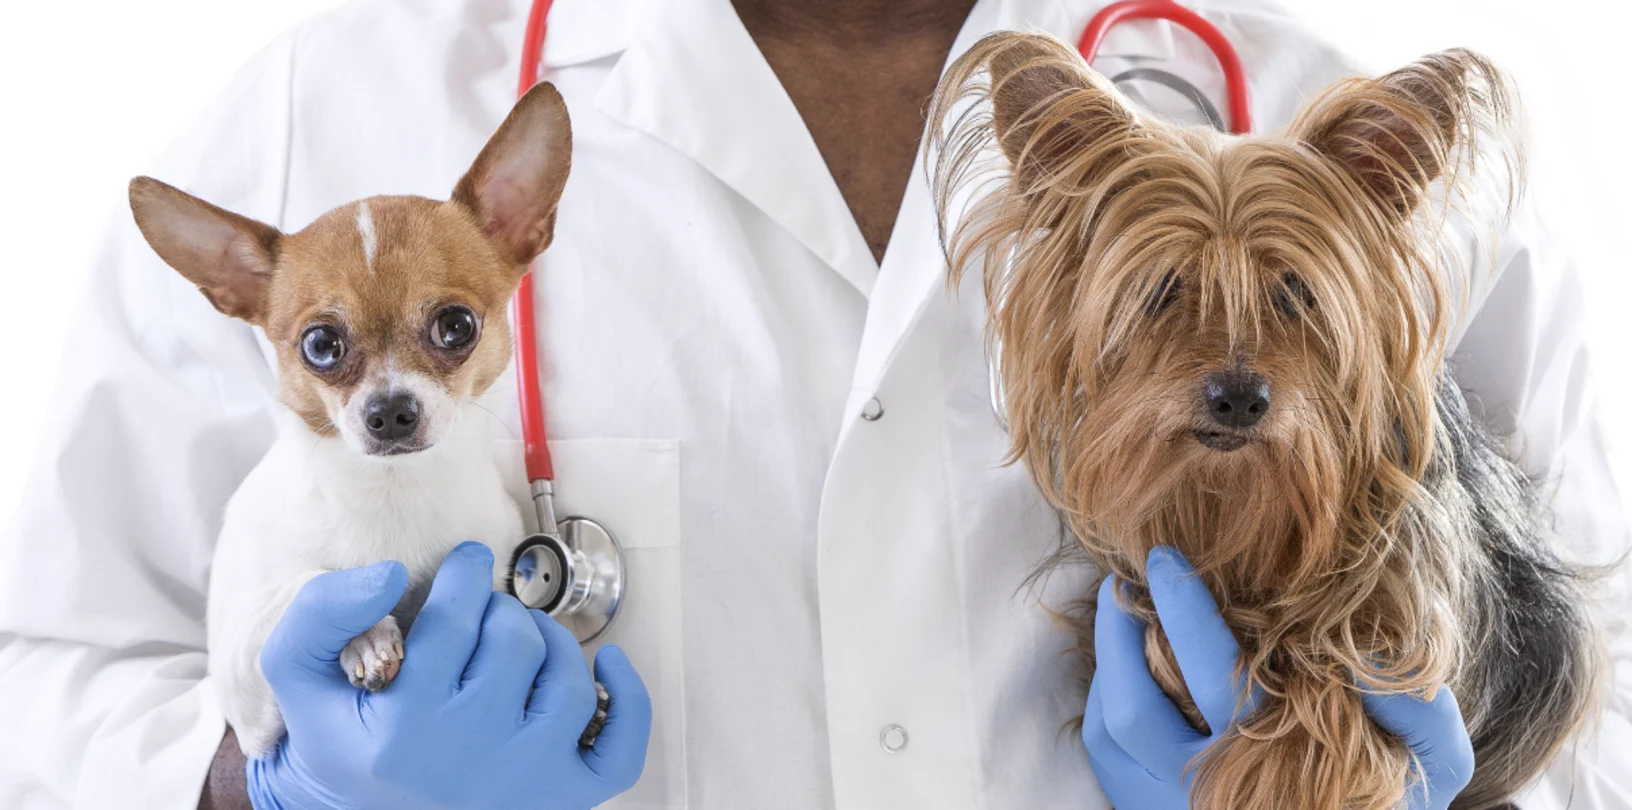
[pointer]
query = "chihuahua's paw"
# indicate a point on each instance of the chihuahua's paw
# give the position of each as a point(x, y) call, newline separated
point(372, 659)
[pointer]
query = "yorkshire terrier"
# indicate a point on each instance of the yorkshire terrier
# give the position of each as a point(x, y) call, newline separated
point(1237, 346)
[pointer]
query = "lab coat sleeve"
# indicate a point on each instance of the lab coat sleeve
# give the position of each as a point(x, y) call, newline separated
point(162, 407)
point(1526, 366)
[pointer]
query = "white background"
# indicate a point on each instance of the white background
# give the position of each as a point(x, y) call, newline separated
point(90, 93)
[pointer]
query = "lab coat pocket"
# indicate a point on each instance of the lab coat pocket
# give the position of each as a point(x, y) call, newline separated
point(632, 487)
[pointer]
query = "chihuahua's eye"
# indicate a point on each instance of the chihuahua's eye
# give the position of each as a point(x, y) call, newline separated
point(322, 348)
point(1165, 295)
point(1293, 297)
point(453, 328)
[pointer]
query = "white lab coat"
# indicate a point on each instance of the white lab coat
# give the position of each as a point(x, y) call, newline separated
point(713, 329)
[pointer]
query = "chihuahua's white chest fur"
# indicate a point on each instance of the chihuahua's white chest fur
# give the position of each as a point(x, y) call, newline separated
point(315, 505)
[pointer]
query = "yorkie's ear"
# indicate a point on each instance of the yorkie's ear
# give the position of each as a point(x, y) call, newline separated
point(1397, 134)
point(1054, 119)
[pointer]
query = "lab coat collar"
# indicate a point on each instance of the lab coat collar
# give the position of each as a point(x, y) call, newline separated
point(694, 79)
point(585, 30)
point(580, 31)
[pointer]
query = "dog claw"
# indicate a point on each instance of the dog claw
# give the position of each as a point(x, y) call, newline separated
point(372, 660)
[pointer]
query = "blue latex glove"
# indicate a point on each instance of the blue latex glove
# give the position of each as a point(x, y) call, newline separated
point(1139, 745)
point(485, 712)
point(1435, 732)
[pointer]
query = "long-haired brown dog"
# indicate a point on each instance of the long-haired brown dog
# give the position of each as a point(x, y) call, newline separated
point(1236, 346)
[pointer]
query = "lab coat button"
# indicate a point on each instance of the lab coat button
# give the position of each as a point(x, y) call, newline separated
point(873, 410)
point(893, 738)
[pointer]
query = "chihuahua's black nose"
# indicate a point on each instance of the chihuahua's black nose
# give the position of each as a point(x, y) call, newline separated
point(391, 416)
point(1236, 399)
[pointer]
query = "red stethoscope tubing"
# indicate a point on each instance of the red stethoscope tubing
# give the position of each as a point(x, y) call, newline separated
point(531, 393)
point(1235, 78)
point(540, 467)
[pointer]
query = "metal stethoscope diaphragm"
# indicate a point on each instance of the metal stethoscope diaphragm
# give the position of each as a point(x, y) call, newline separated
point(572, 570)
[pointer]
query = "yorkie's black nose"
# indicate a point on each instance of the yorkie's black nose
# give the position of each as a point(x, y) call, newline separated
point(391, 417)
point(1236, 399)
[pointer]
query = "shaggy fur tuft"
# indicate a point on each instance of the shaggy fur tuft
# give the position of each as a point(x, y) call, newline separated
point(1364, 530)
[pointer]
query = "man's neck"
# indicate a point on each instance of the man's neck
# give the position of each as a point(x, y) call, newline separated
point(853, 18)
point(859, 72)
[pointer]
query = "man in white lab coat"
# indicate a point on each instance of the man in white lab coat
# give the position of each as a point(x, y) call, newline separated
point(755, 377)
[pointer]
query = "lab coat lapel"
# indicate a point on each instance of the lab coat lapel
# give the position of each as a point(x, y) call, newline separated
point(585, 30)
point(693, 78)
point(914, 269)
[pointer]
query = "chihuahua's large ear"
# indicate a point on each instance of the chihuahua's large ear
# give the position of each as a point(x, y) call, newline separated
point(1397, 134)
point(228, 256)
point(514, 186)
point(1053, 117)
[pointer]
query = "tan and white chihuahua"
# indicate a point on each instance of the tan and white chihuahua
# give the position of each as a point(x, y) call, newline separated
point(388, 316)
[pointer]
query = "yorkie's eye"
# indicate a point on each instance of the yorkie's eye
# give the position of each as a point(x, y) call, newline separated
point(454, 328)
point(322, 348)
point(1165, 295)
point(1293, 297)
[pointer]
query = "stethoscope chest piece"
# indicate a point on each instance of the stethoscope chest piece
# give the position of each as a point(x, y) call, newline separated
point(575, 573)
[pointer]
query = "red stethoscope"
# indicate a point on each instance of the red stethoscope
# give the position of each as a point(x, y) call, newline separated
point(1235, 78)
point(573, 569)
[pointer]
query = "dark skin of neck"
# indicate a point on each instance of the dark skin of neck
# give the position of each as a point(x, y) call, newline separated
point(860, 73)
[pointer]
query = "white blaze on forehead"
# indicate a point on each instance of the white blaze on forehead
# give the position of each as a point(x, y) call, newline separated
point(365, 229)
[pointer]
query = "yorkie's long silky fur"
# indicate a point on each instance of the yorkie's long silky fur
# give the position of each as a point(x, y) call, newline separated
point(1369, 534)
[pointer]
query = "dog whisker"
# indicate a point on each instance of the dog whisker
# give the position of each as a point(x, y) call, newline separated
point(499, 420)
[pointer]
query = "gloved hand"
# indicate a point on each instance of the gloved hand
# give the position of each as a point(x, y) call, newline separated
point(485, 712)
point(1139, 744)
point(1435, 732)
